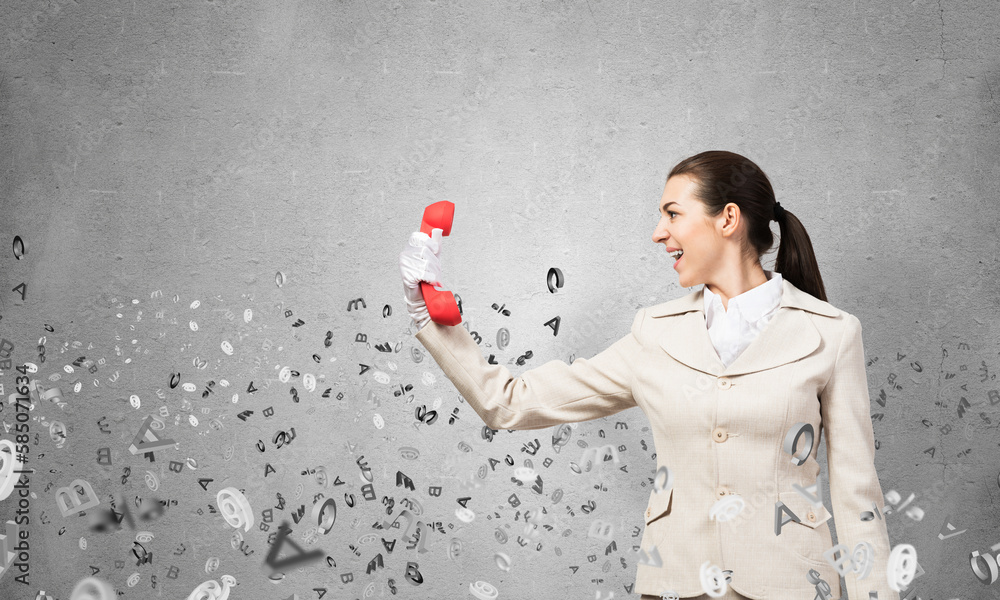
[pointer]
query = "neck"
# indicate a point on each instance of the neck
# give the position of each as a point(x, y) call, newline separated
point(733, 283)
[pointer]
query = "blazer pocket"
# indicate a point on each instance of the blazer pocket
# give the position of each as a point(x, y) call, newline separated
point(803, 537)
point(660, 504)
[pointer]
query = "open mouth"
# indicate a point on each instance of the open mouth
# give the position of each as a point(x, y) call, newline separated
point(677, 257)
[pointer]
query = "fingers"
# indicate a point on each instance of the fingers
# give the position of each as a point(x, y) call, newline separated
point(436, 239)
point(432, 276)
point(433, 241)
point(417, 239)
point(419, 264)
point(420, 261)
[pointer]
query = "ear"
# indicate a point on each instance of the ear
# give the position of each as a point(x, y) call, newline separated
point(729, 219)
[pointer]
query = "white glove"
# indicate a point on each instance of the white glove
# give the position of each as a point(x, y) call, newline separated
point(420, 261)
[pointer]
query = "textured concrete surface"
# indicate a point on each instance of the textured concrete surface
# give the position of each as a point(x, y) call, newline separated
point(162, 162)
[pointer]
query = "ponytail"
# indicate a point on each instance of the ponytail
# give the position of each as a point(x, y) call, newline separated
point(796, 261)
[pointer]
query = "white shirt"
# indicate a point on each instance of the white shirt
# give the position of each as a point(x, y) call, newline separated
point(732, 330)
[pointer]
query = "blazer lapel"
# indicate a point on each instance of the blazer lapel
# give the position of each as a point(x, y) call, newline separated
point(788, 336)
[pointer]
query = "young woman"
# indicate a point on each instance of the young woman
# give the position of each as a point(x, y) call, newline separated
point(738, 380)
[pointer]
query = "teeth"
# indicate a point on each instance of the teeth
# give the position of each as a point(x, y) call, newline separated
point(677, 254)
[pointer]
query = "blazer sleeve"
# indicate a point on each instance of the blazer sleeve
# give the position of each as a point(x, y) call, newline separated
point(850, 444)
point(550, 394)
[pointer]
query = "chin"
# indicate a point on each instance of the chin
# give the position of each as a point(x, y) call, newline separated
point(687, 282)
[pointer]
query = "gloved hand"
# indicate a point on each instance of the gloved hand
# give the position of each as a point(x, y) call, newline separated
point(420, 261)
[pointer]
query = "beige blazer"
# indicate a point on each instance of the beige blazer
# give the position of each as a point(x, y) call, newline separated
point(720, 431)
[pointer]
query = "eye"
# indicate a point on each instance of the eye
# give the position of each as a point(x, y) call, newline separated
point(670, 212)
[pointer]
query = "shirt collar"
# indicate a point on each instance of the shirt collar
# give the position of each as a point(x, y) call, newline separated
point(753, 303)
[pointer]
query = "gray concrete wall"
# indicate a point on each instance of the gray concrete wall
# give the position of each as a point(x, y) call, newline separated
point(158, 155)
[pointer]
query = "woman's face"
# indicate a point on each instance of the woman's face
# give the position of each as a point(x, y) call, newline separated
point(685, 226)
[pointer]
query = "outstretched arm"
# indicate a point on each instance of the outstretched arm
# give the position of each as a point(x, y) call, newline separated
point(550, 394)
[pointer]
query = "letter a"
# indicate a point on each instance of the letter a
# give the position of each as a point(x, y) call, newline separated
point(146, 440)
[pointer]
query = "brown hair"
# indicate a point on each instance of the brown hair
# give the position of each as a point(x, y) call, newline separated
point(725, 177)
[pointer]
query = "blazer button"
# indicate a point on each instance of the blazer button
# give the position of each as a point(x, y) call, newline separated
point(724, 383)
point(649, 511)
point(722, 492)
point(811, 516)
point(719, 434)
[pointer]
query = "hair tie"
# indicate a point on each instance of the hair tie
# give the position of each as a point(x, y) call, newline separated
point(779, 213)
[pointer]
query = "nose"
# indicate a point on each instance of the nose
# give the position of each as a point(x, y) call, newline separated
point(659, 235)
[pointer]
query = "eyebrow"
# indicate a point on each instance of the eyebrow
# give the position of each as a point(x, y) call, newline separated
point(664, 207)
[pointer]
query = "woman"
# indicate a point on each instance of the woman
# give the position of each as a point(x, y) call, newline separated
point(737, 380)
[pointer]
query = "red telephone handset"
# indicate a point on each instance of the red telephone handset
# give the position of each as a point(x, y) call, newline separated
point(441, 304)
